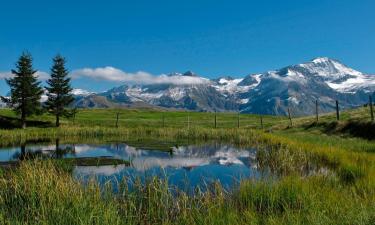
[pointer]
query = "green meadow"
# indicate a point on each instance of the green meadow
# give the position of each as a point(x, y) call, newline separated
point(342, 192)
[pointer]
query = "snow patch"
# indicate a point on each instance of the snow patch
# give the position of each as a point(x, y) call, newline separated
point(227, 86)
point(177, 93)
point(294, 100)
point(244, 101)
point(138, 94)
point(352, 85)
point(81, 92)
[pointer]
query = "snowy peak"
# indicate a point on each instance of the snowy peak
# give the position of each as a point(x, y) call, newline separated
point(190, 74)
point(320, 60)
point(329, 68)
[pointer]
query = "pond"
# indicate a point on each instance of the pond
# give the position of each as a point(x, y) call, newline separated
point(185, 167)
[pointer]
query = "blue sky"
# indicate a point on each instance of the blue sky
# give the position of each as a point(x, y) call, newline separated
point(212, 38)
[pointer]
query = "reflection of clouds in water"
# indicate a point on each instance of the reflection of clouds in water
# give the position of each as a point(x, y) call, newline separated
point(210, 150)
point(185, 167)
point(41, 148)
point(82, 148)
point(145, 163)
point(182, 157)
point(99, 170)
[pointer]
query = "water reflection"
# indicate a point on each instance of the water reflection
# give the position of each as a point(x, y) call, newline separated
point(185, 167)
point(32, 152)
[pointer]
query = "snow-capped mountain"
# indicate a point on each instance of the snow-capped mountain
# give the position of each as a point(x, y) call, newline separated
point(272, 92)
point(81, 92)
point(193, 97)
point(298, 86)
point(77, 93)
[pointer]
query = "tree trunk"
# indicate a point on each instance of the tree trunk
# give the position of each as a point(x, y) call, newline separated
point(23, 120)
point(57, 121)
point(23, 152)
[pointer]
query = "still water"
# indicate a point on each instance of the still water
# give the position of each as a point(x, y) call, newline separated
point(185, 167)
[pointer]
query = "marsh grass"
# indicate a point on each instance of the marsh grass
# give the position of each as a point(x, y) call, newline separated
point(39, 192)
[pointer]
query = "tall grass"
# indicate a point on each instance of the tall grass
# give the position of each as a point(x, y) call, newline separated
point(40, 193)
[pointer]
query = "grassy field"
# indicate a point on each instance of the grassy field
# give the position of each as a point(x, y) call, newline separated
point(43, 192)
point(129, 118)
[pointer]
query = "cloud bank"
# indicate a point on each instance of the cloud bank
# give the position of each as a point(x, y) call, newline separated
point(112, 74)
point(40, 74)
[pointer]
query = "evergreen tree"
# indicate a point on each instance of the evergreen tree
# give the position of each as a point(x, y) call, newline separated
point(59, 90)
point(24, 88)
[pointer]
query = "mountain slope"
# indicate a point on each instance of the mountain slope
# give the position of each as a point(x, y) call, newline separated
point(296, 87)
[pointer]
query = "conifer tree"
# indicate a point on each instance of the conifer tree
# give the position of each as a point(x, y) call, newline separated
point(24, 88)
point(59, 89)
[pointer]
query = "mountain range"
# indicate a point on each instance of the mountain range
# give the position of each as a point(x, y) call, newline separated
point(296, 87)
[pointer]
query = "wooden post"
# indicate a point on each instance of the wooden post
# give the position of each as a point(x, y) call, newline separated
point(261, 122)
point(73, 113)
point(215, 120)
point(290, 117)
point(117, 115)
point(238, 120)
point(163, 119)
point(371, 109)
point(337, 111)
point(317, 110)
point(188, 121)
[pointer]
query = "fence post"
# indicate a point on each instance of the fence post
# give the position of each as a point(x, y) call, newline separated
point(117, 115)
point(371, 108)
point(290, 117)
point(261, 121)
point(317, 110)
point(163, 119)
point(188, 120)
point(337, 110)
point(215, 120)
point(74, 112)
point(238, 120)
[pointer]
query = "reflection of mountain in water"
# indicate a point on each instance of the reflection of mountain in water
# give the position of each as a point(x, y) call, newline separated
point(187, 157)
point(184, 167)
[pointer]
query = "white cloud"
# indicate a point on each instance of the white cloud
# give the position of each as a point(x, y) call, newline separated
point(4, 75)
point(112, 74)
point(40, 74)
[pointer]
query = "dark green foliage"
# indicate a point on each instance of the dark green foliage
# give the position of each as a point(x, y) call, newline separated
point(59, 89)
point(25, 89)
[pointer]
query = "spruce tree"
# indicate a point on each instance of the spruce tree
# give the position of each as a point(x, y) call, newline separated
point(24, 88)
point(59, 90)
